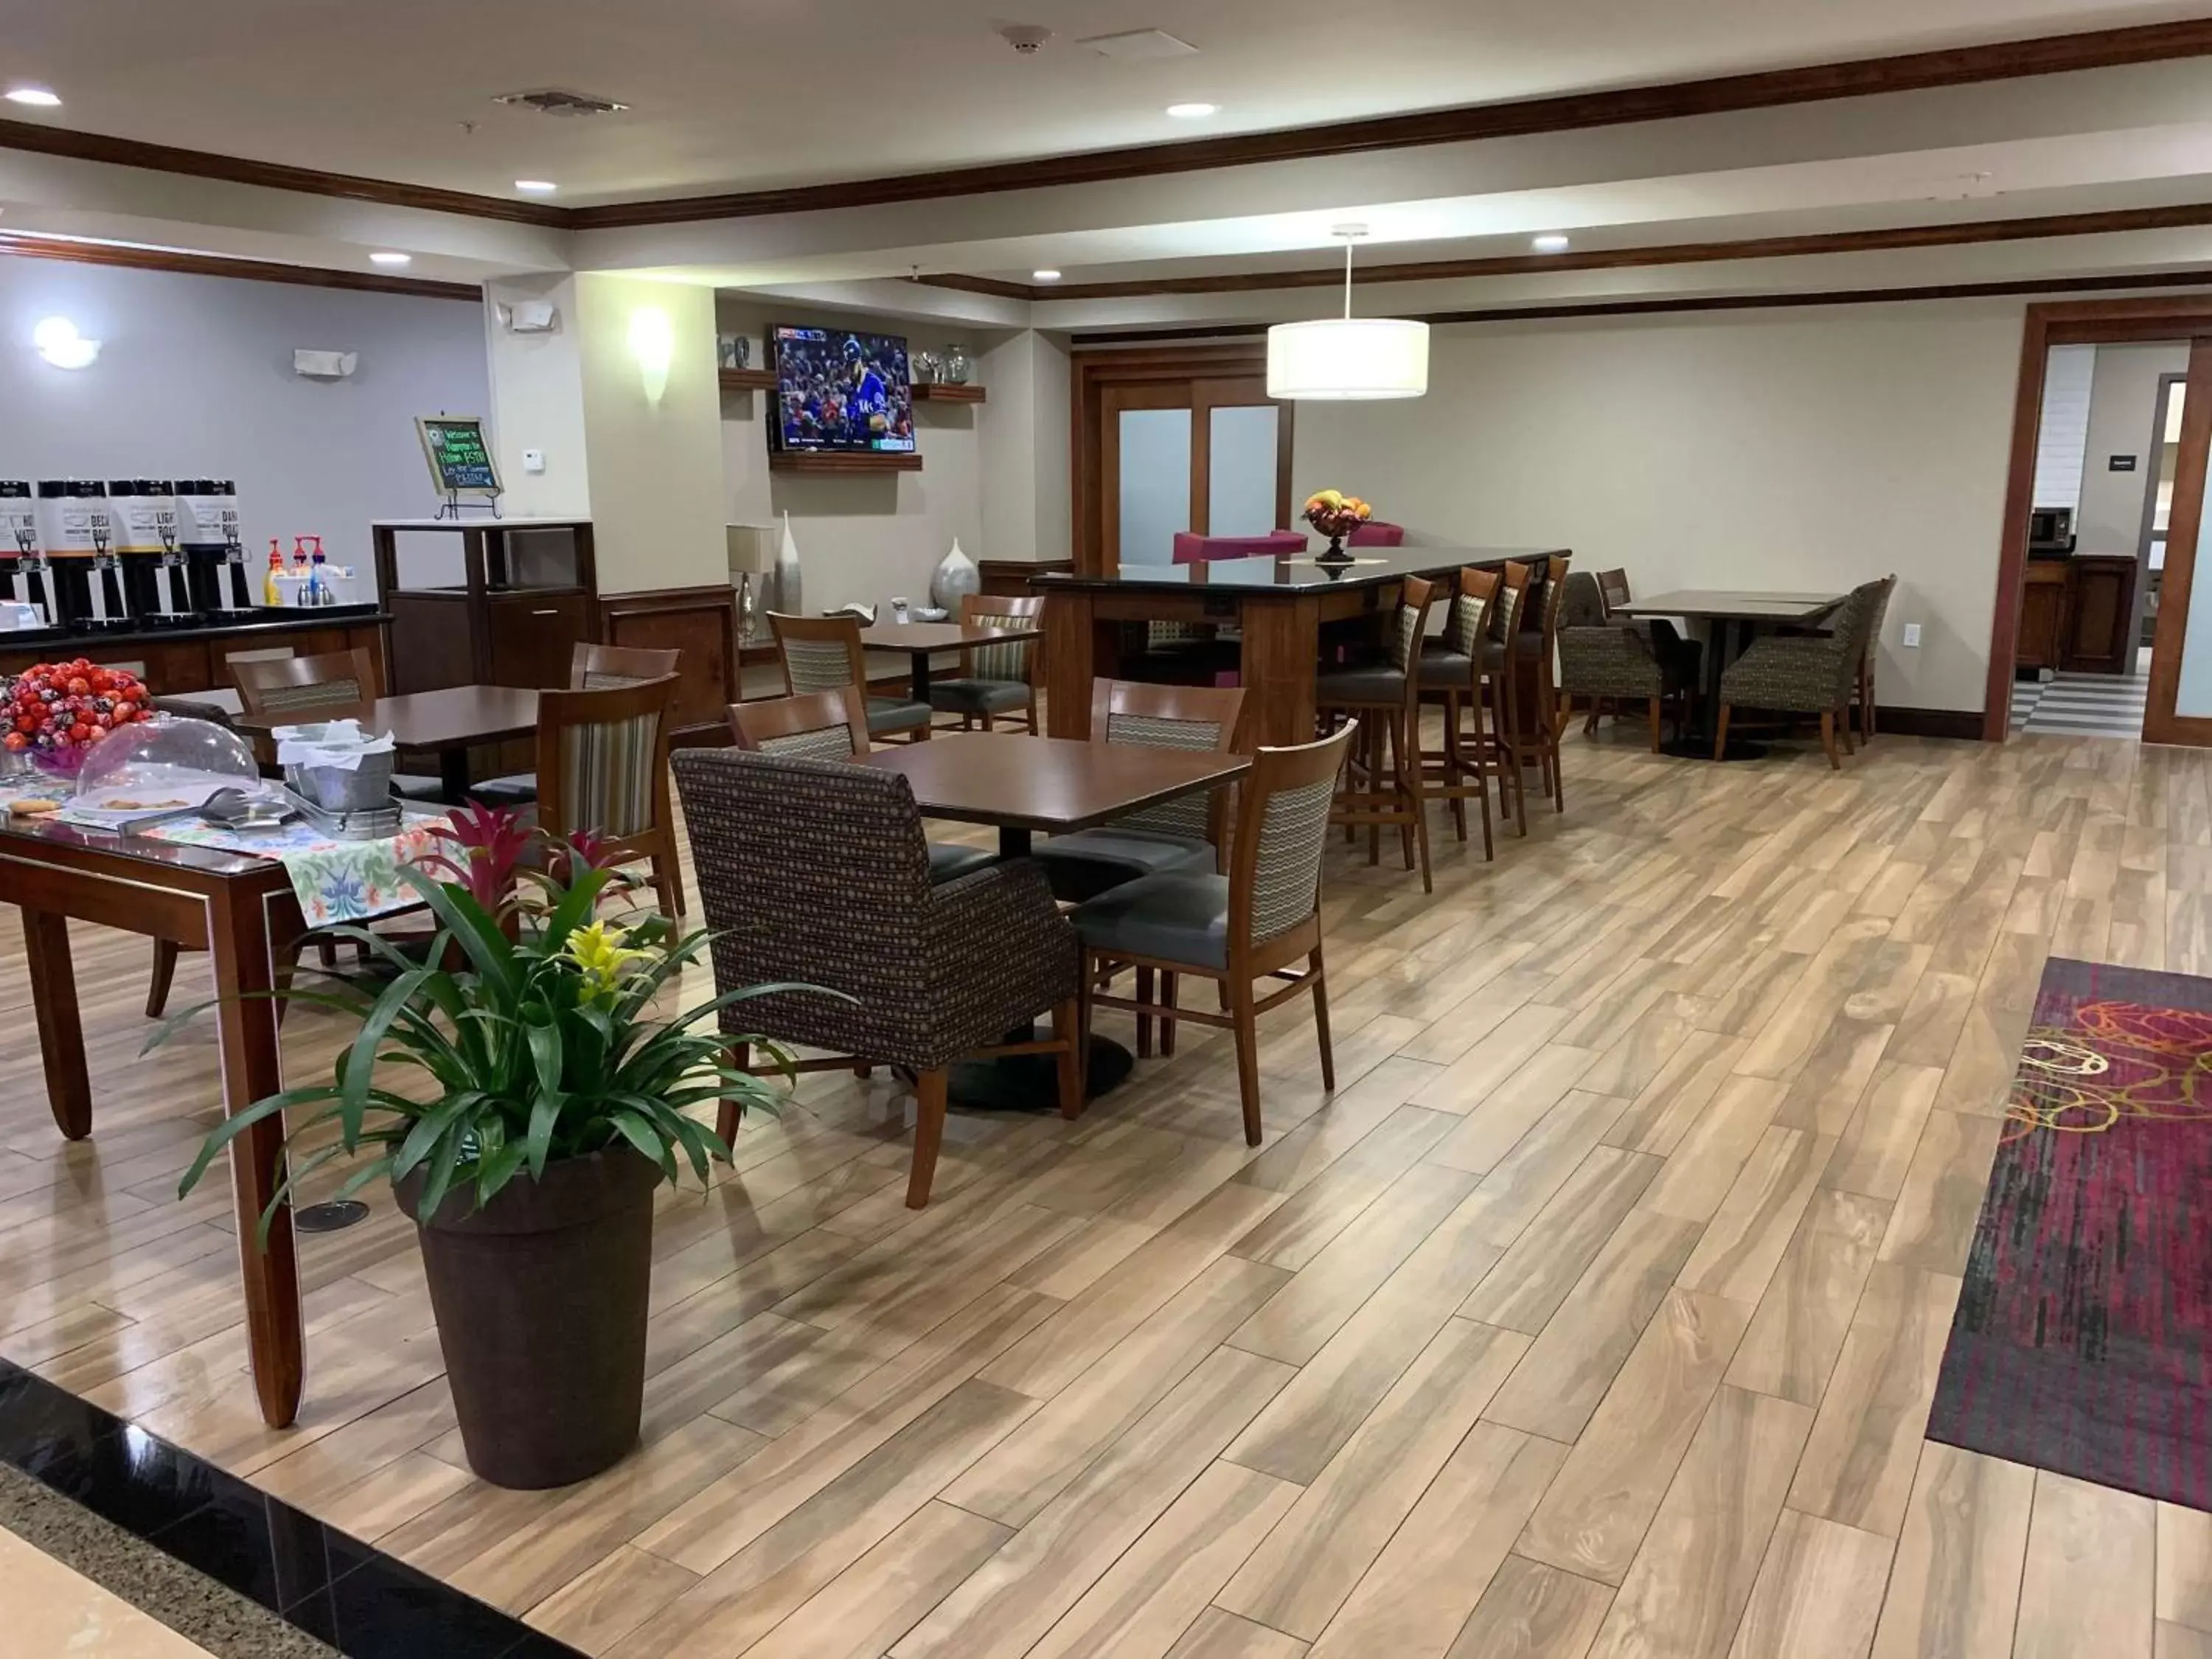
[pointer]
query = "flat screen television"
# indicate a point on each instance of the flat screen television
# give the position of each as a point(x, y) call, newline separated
point(839, 390)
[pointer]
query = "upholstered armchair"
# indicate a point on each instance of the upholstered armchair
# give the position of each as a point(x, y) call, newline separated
point(1805, 674)
point(815, 872)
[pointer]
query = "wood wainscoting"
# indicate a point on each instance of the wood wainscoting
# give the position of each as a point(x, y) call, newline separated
point(703, 624)
point(1009, 579)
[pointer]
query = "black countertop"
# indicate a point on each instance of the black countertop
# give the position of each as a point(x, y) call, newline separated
point(54, 642)
point(1369, 567)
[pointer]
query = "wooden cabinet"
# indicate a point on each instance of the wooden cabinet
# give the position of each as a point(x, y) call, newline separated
point(524, 600)
point(2042, 614)
point(2075, 614)
point(533, 635)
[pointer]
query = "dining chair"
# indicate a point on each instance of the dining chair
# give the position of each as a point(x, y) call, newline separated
point(603, 768)
point(591, 667)
point(833, 725)
point(1871, 658)
point(821, 654)
point(1549, 719)
point(813, 875)
point(1805, 674)
point(1679, 658)
point(1251, 924)
point(1613, 591)
point(1451, 670)
point(1612, 663)
point(332, 685)
point(1380, 791)
point(994, 679)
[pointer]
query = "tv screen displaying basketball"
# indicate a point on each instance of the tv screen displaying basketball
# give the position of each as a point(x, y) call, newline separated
point(836, 389)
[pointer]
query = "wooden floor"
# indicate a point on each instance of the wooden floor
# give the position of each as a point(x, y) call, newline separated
point(1597, 1314)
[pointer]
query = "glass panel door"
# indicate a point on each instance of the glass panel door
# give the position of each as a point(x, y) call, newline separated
point(1153, 490)
point(2178, 707)
point(1241, 455)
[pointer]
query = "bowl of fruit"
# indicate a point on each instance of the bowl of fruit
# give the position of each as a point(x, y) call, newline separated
point(57, 712)
point(1336, 515)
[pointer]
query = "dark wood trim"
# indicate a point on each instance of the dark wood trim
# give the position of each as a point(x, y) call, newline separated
point(1956, 234)
point(2161, 722)
point(1231, 333)
point(841, 464)
point(747, 380)
point(1962, 723)
point(940, 392)
point(1918, 71)
point(997, 288)
point(216, 264)
point(1009, 578)
point(45, 140)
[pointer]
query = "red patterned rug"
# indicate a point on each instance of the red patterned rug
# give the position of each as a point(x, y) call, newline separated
point(2083, 1337)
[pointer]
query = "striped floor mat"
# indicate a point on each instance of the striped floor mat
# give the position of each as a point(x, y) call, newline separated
point(2080, 705)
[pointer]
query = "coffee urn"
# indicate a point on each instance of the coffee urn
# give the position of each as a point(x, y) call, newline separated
point(207, 529)
point(26, 578)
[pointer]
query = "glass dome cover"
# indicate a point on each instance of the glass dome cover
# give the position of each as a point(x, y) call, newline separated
point(168, 758)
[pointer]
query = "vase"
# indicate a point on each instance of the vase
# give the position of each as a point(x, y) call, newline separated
point(955, 365)
point(540, 1299)
point(956, 575)
point(787, 597)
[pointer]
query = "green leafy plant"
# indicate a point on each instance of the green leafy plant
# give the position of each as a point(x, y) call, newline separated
point(537, 1044)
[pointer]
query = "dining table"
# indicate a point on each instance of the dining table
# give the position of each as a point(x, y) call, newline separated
point(1730, 619)
point(448, 723)
point(920, 640)
point(1021, 785)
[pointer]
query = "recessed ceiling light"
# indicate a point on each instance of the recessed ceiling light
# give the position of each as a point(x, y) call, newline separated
point(1192, 112)
point(1550, 242)
point(1045, 276)
point(391, 258)
point(536, 186)
point(36, 97)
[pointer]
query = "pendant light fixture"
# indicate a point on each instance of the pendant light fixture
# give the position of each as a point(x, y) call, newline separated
point(1347, 358)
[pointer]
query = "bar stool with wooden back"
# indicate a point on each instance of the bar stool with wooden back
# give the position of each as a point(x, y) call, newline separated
point(1451, 667)
point(1549, 720)
point(603, 769)
point(832, 725)
point(1251, 924)
point(994, 679)
point(591, 667)
point(821, 654)
point(1504, 749)
point(1379, 790)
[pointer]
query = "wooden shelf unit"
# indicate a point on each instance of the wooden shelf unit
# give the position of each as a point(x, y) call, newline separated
point(941, 394)
point(844, 463)
point(748, 379)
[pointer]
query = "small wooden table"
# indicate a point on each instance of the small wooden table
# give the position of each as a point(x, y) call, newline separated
point(242, 909)
point(1022, 785)
point(1719, 608)
point(448, 723)
point(920, 640)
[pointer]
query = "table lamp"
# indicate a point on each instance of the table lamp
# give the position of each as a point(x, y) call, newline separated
point(752, 553)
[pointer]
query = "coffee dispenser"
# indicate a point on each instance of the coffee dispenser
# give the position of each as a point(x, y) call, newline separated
point(26, 578)
point(207, 529)
point(77, 529)
point(161, 582)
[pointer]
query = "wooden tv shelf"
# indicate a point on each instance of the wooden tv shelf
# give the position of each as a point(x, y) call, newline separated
point(940, 394)
point(844, 463)
point(748, 379)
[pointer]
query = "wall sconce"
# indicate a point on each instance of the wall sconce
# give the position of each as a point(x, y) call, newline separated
point(653, 342)
point(324, 365)
point(60, 344)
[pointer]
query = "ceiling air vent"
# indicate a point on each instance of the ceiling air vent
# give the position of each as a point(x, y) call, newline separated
point(555, 100)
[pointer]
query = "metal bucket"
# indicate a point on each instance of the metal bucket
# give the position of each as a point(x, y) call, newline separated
point(336, 790)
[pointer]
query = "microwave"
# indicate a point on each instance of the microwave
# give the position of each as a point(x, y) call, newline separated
point(2051, 529)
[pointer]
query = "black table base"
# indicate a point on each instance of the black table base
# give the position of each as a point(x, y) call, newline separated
point(1030, 1083)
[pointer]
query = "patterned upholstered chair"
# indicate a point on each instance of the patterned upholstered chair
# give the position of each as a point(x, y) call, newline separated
point(1680, 658)
point(831, 726)
point(332, 686)
point(813, 872)
point(591, 667)
point(1805, 674)
point(821, 654)
point(1250, 925)
point(602, 768)
point(1452, 670)
point(1871, 658)
point(1385, 789)
point(1611, 662)
point(994, 679)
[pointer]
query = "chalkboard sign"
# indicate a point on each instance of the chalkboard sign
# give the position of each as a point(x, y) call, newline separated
point(459, 458)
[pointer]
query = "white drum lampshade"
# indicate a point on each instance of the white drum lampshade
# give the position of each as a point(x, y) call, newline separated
point(1348, 358)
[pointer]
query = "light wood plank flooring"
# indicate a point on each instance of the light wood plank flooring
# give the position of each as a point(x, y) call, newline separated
point(1597, 1312)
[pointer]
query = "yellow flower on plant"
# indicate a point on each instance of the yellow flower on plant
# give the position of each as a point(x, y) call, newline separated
point(600, 956)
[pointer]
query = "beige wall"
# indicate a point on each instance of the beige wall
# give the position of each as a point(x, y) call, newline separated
point(537, 400)
point(2123, 409)
point(1784, 450)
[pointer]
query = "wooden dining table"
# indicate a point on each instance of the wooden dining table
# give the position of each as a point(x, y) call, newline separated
point(448, 723)
point(1022, 785)
point(921, 640)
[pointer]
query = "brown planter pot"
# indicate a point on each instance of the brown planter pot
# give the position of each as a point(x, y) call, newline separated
point(540, 1299)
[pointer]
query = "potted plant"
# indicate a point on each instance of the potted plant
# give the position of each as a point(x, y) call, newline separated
point(548, 1102)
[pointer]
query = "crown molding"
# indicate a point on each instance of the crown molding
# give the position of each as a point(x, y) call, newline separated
point(209, 265)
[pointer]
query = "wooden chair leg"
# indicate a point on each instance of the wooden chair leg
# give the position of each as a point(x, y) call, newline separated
point(1143, 1021)
point(1455, 764)
point(1481, 774)
point(729, 1114)
point(1720, 735)
point(1067, 1028)
point(1402, 796)
point(1248, 1058)
point(1168, 1000)
point(1843, 730)
point(928, 1133)
point(1031, 712)
point(1320, 1020)
point(1409, 796)
point(668, 884)
point(166, 951)
point(1828, 739)
point(1658, 713)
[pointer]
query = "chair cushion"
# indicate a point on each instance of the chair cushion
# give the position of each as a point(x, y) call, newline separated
point(1089, 862)
point(979, 697)
point(1169, 918)
point(415, 786)
point(891, 714)
point(516, 789)
point(1447, 671)
point(949, 861)
point(1379, 684)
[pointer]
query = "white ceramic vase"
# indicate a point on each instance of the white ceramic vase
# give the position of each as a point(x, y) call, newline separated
point(956, 575)
point(787, 600)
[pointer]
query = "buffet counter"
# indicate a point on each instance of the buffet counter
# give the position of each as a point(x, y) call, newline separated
point(173, 660)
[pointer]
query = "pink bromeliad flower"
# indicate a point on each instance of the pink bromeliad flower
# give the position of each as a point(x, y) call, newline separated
point(490, 843)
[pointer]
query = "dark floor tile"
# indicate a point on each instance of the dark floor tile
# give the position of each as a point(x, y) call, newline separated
point(384, 1609)
point(39, 1420)
point(140, 1484)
